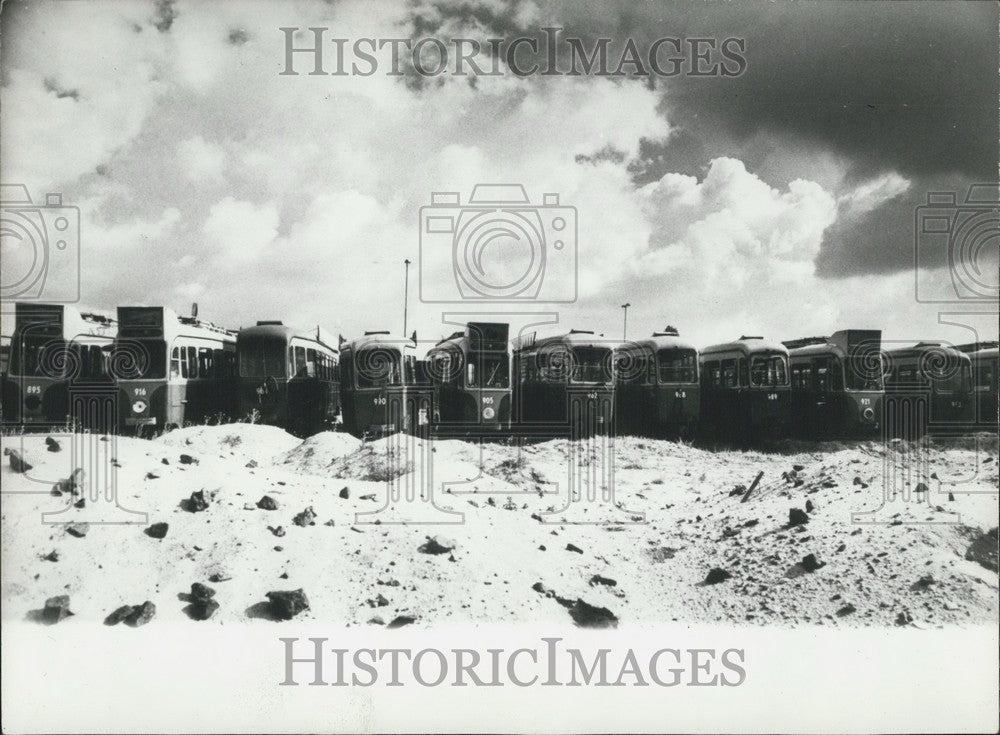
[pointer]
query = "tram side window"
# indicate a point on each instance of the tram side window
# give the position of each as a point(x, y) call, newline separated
point(205, 363)
point(311, 363)
point(802, 376)
point(985, 374)
point(729, 377)
point(175, 364)
point(299, 362)
point(821, 377)
point(712, 373)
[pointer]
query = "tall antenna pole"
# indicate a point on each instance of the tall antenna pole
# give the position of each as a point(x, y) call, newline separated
point(406, 294)
point(625, 325)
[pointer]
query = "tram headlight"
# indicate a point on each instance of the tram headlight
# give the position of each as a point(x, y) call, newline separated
point(869, 413)
point(139, 407)
point(489, 413)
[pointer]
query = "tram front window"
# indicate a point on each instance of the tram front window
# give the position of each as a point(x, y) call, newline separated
point(768, 371)
point(151, 361)
point(590, 364)
point(677, 366)
point(488, 371)
point(37, 357)
point(262, 358)
point(378, 368)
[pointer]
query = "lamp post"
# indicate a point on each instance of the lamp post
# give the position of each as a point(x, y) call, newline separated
point(406, 293)
point(625, 325)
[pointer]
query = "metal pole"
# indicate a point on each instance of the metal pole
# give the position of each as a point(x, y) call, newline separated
point(406, 294)
point(625, 325)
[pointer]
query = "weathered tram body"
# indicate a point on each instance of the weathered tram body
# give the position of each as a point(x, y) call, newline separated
point(745, 394)
point(928, 389)
point(470, 375)
point(837, 384)
point(656, 386)
point(287, 378)
point(54, 350)
point(565, 385)
point(985, 357)
point(172, 370)
point(382, 392)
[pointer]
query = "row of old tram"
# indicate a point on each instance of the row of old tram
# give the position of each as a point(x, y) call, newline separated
point(152, 370)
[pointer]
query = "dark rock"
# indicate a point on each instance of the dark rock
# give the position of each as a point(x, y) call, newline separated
point(983, 550)
point(376, 620)
point(810, 563)
point(904, 618)
point(196, 503)
point(141, 614)
point(809, 506)
point(202, 610)
point(400, 620)
point(798, 467)
point(738, 490)
point(56, 608)
point(157, 530)
point(165, 461)
point(219, 577)
point(539, 588)
point(572, 547)
point(187, 459)
point(79, 530)
point(251, 464)
point(267, 503)
point(276, 530)
point(119, 615)
point(606, 581)
point(716, 575)
point(81, 503)
point(152, 476)
point(305, 518)
point(586, 615)
point(201, 592)
point(52, 445)
point(379, 601)
point(436, 545)
point(345, 493)
point(797, 517)
point(18, 463)
point(924, 582)
point(51, 556)
point(846, 610)
point(285, 605)
point(921, 488)
point(70, 485)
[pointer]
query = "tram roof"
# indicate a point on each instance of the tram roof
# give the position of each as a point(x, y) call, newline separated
point(377, 339)
point(573, 339)
point(658, 342)
point(922, 348)
point(284, 332)
point(746, 346)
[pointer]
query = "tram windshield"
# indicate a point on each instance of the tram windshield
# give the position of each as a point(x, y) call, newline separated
point(38, 357)
point(677, 365)
point(378, 367)
point(770, 370)
point(150, 359)
point(591, 365)
point(262, 358)
point(488, 371)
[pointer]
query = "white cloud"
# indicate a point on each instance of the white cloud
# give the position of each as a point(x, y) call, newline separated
point(200, 160)
point(240, 231)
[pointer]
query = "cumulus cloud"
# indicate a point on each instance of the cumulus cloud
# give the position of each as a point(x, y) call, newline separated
point(201, 160)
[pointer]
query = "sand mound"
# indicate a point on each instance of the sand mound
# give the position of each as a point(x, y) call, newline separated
point(244, 441)
point(316, 454)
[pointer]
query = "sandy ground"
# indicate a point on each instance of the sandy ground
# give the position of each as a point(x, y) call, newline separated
point(908, 567)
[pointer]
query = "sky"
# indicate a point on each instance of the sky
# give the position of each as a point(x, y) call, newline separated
point(781, 202)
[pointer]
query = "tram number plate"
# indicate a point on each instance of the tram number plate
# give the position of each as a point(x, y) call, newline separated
point(592, 396)
point(139, 391)
point(680, 394)
point(33, 390)
point(380, 400)
point(488, 400)
point(866, 401)
point(772, 396)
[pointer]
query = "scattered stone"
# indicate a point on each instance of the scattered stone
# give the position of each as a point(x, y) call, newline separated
point(305, 518)
point(809, 506)
point(165, 461)
point(119, 615)
point(51, 556)
point(572, 547)
point(18, 463)
point(921, 488)
point(798, 467)
point(219, 577)
point(345, 493)
point(738, 490)
point(904, 618)
point(606, 581)
point(187, 459)
point(810, 563)
point(400, 620)
point(376, 620)
point(586, 615)
point(157, 530)
point(251, 464)
point(846, 610)
point(797, 517)
point(52, 445)
point(267, 503)
point(983, 550)
point(196, 503)
point(202, 604)
point(141, 614)
point(379, 601)
point(951, 497)
point(276, 530)
point(152, 476)
point(716, 575)
point(81, 503)
point(369, 496)
point(287, 604)
point(924, 582)
point(330, 522)
point(70, 485)
point(56, 608)
point(436, 545)
point(79, 530)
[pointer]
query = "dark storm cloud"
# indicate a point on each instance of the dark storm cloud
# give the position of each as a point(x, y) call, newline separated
point(909, 87)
